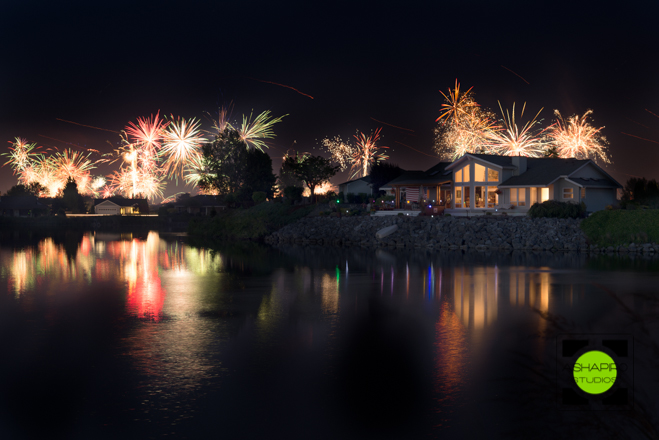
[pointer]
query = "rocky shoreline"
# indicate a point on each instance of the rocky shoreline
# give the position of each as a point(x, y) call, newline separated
point(483, 233)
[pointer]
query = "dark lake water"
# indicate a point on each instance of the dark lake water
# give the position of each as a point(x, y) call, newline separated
point(136, 336)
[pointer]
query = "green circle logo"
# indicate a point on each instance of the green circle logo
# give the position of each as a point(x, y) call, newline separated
point(595, 372)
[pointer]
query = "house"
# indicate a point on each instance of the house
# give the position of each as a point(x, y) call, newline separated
point(477, 183)
point(357, 186)
point(121, 206)
point(22, 206)
point(414, 187)
point(200, 204)
point(483, 181)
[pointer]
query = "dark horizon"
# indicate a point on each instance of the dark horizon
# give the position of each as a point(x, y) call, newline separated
point(105, 65)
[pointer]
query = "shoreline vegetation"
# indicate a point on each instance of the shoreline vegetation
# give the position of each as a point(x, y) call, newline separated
point(623, 231)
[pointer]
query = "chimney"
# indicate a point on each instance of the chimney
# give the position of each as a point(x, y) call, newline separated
point(520, 163)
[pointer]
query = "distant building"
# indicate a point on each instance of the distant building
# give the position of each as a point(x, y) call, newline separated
point(362, 185)
point(201, 204)
point(22, 206)
point(121, 206)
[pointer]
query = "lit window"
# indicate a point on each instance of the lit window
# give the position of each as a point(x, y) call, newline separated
point(568, 193)
point(534, 196)
point(479, 193)
point(479, 173)
point(492, 196)
point(544, 194)
point(521, 199)
point(458, 176)
point(513, 196)
point(492, 175)
point(466, 173)
point(458, 197)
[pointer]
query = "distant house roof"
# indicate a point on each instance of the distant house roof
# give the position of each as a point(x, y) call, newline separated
point(21, 202)
point(544, 171)
point(142, 204)
point(366, 179)
point(502, 161)
point(420, 177)
point(199, 200)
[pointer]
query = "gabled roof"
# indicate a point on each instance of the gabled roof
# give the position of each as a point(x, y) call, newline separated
point(418, 178)
point(502, 161)
point(366, 179)
point(595, 183)
point(544, 171)
point(438, 169)
point(120, 201)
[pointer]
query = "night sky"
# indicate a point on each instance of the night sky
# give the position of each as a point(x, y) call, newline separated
point(106, 63)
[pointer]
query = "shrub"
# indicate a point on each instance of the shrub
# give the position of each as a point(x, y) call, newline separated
point(293, 193)
point(340, 196)
point(351, 198)
point(556, 209)
point(363, 198)
point(259, 197)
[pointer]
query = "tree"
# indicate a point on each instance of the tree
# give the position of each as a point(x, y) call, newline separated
point(231, 168)
point(72, 198)
point(383, 172)
point(287, 176)
point(258, 175)
point(552, 152)
point(32, 189)
point(312, 170)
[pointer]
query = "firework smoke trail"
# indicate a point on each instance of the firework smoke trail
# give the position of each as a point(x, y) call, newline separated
point(366, 152)
point(341, 152)
point(282, 85)
point(577, 138)
point(251, 132)
point(182, 141)
point(513, 141)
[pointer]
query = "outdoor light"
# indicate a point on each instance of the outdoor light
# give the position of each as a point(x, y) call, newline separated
point(338, 201)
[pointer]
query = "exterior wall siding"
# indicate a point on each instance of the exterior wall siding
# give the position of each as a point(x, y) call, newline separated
point(597, 198)
point(589, 171)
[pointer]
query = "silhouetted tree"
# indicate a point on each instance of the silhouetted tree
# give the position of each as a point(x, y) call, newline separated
point(383, 172)
point(312, 170)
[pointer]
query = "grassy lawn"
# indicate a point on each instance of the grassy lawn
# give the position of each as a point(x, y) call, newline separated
point(622, 227)
point(249, 224)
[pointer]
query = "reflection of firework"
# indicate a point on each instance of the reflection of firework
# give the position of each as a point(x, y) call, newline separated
point(341, 151)
point(366, 152)
point(577, 138)
point(260, 128)
point(513, 141)
point(182, 140)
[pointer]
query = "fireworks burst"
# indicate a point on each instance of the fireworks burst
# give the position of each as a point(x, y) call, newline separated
point(366, 152)
point(577, 138)
point(253, 131)
point(182, 141)
point(342, 152)
point(21, 154)
point(463, 125)
point(513, 141)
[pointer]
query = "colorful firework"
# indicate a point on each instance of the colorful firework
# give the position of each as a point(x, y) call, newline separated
point(463, 125)
point(366, 152)
point(341, 152)
point(513, 141)
point(21, 154)
point(577, 138)
point(457, 106)
point(182, 142)
point(253, 131)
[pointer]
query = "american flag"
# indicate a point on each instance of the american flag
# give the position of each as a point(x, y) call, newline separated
point(412, 194)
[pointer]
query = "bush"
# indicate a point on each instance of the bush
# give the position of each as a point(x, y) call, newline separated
point(259, 197)
point(340, 196)
point(293, 193)
point(352, 197)
point(621, 227)
point(556, 209)
point(363, 198)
